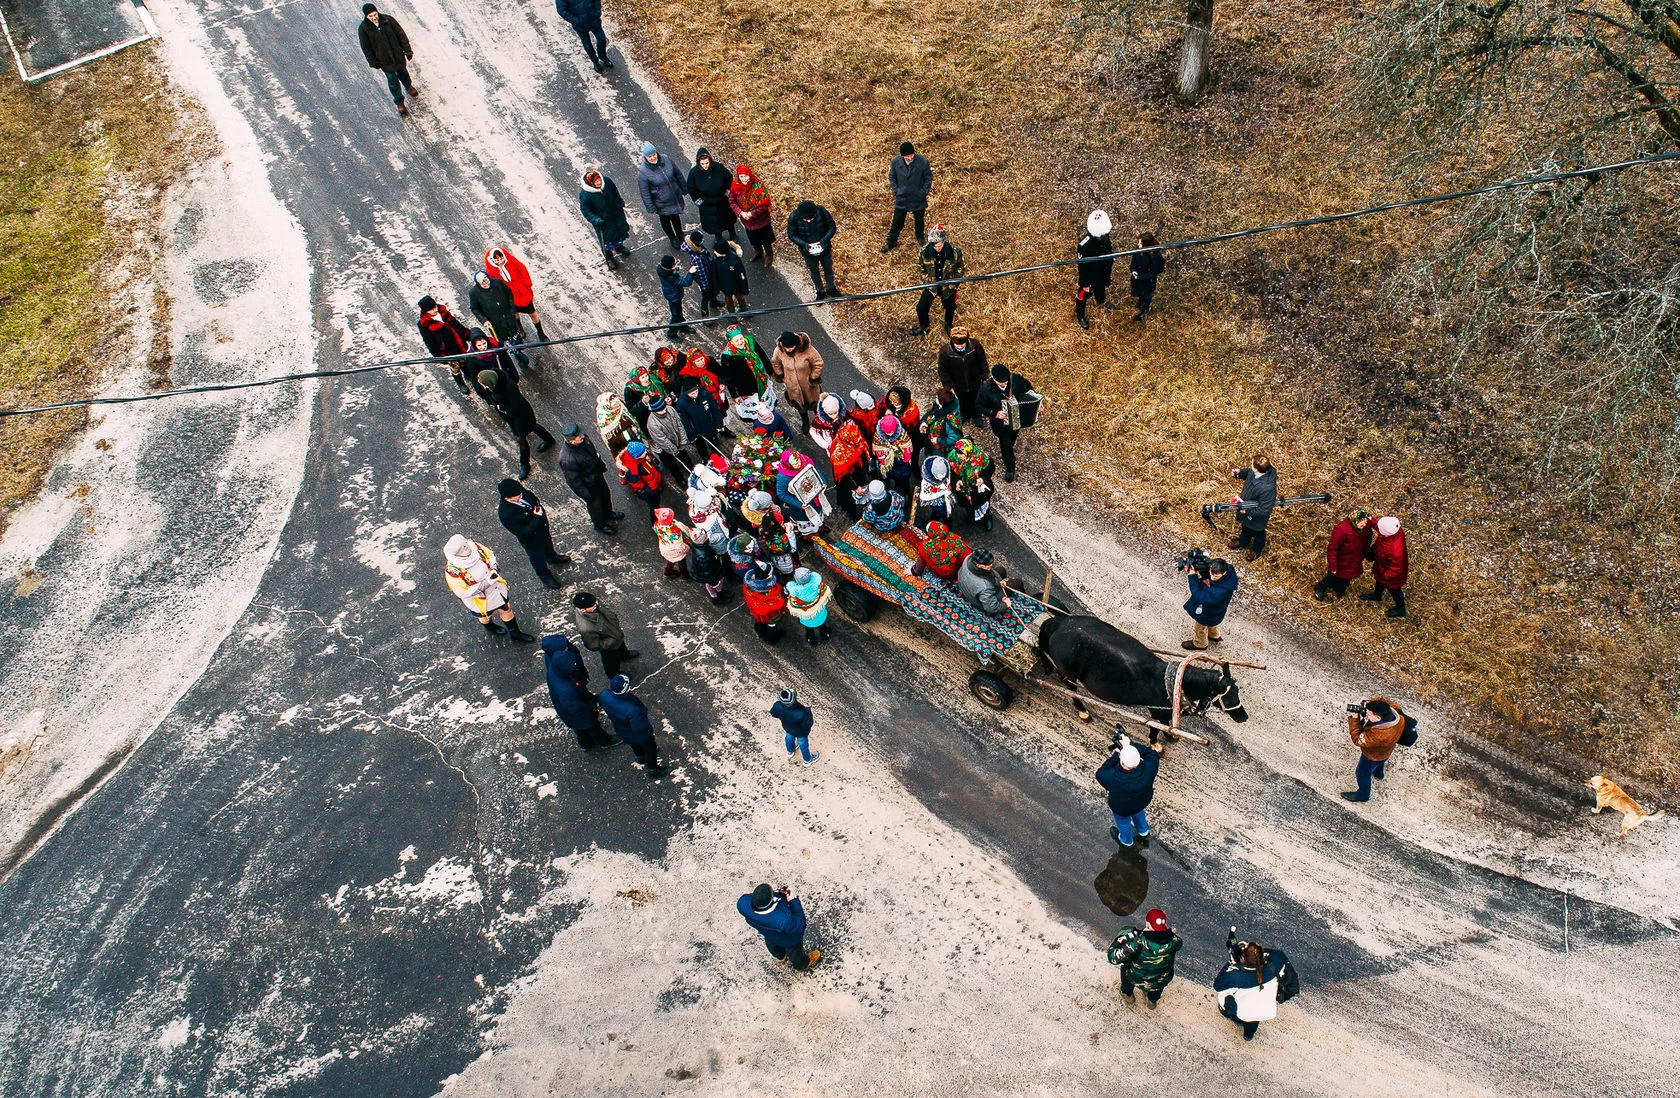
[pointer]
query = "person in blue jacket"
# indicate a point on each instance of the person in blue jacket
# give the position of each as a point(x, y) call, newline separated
point(568, 689)
point(796, 724)
point(780, 917)
point(1208, 601)
point(585, 18)
point(1129, 777)
point(629, 716)
point(671, 284)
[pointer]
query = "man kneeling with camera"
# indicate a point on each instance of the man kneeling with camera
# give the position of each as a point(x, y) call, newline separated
point(1376, 727)
point(1212, 583)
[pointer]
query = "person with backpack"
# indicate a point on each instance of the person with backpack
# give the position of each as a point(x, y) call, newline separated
point(1145, 956)
point(1376, 729)
point(1250, 987)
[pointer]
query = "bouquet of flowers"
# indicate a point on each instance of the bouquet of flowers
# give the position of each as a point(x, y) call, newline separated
point(752, 467)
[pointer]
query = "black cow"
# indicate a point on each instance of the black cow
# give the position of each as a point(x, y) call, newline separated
point(1116, 667)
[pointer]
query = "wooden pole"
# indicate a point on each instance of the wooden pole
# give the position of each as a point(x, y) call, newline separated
point(1049, 574)
point(1175, 656)
point(1147, 722)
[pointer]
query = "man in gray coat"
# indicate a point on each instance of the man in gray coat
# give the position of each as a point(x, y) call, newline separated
point(1254, 505)
point(661, 185)
point(600, 632)
point(980, 584)
point(911, 179)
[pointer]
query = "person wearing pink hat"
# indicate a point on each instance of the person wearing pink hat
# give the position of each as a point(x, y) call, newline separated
point(895, 452)
point(1145, 956)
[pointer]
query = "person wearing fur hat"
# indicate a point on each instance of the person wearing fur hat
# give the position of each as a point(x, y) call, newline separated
point(731, 274)
point(798, 366)
point(671, 284)
point(502, 393)
point(629, 717)
point(895, 453)
point(941, 553)
point(808, 597)
point(910, 177)
point(880, 508)
point(1129, 778)
point(1344, 557)
point(1146, 269)
point(778, 915)
point(705, 512)
point(638, 472)
point(603, 207)
point(796, 725)
point(667, 435)
point(584, 17)
point(521, 514)
point(750, 201)
point(811, 229)
point(971, 480)
point(708, 184)
point(661, 188)
point(1145, 956)
point(963, 369)
point(471, 572)
point(706, 564)
point(1010, 405)
point(672, 538)
point(936, 498)
point(444, 336)
point(1389, 566)
point(574, 703)
point(386, 48)
point(1096, 265)
point(940, 260)
point(765, 600)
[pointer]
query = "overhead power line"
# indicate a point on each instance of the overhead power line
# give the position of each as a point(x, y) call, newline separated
point(1171, 245)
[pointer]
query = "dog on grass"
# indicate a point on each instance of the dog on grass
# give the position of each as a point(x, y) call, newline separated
point(1611, 795)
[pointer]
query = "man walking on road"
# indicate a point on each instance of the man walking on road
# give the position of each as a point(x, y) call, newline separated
point(585, 474)
point(778, 915)
point(629, 717)
point(585, 18)
point(386, 48)
point(568, 688)
point(811, 229)
point(1376, 731)
point(521, 514)
point(600, 632)
point(796, 725)
point(1145, 955)
point(911, 179)
point(1129, 777)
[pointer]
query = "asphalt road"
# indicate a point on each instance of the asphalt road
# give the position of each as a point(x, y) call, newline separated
point(324, 872)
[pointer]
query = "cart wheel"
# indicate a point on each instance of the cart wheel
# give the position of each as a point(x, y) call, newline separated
point(854, 601)
point(992, 691)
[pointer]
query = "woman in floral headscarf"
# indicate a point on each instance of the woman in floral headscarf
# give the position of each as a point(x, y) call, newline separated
point(942, 426)
point(618, 428)
point(751, 203)
point(826, 418)
point(642, 384)
point(673, 540)
point(743, 366)
point(853, 462)
point(971, 480)
point(895, 454)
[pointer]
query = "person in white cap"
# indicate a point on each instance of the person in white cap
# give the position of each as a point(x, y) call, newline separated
point(1096, 265)
point(1389, 566)
point(470, 569)
point(1129, 777)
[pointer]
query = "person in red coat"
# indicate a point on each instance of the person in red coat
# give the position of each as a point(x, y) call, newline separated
point(503, 266)
point(939, 551)
point(1344, 560)
point(1388, 565)
point(639, 473)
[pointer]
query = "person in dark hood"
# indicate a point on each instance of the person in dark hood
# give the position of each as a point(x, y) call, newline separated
point(585, 18)
point(629, 716)
point(444, 336)
point(568, 689)
point(492, 303)
point(708, 184)
point(585, 475)
point(603, 208)
point(662, 192)
point(521, 514)
point(385, 45)
point(1096, 268)
point(501, 392)
point(811, 228)
point(911, 180)
point(1146, 268)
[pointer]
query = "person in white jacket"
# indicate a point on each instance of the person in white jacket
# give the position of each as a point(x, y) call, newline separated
point(1249, 988)
point(470, 569)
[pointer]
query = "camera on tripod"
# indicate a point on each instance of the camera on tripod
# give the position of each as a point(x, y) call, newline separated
point(1196, 560)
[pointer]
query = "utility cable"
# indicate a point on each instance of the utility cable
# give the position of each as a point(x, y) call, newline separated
point(841, 299)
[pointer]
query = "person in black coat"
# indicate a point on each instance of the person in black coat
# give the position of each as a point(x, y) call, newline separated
point(1010, 405)
point(731, 274)
point(386, 48)
point(585, 18)
point(501, 391)
point(444, 336)
point(1129, 777)
point(568, 689)
point(521, 514)
point(708, 184)
point(1095, 273)
point(1146, 268)
point(585, 475)
point(911, 179)
point(702, 415)
point(492, 302)
point(708, 568)
point(811, 228)
point(603, 208)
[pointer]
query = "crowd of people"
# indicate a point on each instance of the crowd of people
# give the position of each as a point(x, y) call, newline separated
point(705, 440)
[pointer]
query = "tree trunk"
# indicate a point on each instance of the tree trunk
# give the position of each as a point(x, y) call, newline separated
point(1193, 56)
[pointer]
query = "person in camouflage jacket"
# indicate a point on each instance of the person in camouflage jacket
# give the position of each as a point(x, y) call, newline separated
point(1145, 956)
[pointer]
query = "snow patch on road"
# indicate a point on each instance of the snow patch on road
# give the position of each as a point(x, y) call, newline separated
point(175, 1034)
point(388, 550)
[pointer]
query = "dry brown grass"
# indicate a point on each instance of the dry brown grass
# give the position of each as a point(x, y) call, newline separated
point(1552, 629)
point(84, 160)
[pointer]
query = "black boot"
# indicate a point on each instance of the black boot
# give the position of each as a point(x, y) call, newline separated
point(518, 635)
point(494, 627)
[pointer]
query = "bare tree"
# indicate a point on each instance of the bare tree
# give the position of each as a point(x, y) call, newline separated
point(1573, 288)
point(1118, 27)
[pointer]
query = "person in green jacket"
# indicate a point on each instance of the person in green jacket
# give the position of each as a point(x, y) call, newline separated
point(1145, 956)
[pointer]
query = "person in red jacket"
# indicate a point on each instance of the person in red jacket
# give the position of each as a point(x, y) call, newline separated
point(940, 552)
point(504, 267)
point(1344, 560)
point(444, 335)
point(1389, 567)
point(640, 473)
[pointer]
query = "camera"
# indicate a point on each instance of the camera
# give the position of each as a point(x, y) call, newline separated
point(1196, 559)
point(1356, 709)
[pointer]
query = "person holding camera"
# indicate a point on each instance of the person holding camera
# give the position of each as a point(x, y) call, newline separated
point(1145, 956)
point(1255, 504)
point(1250, 987)
point(1212, 585)
point(777, 914)
point(1375, 727)
point(1129, 776)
